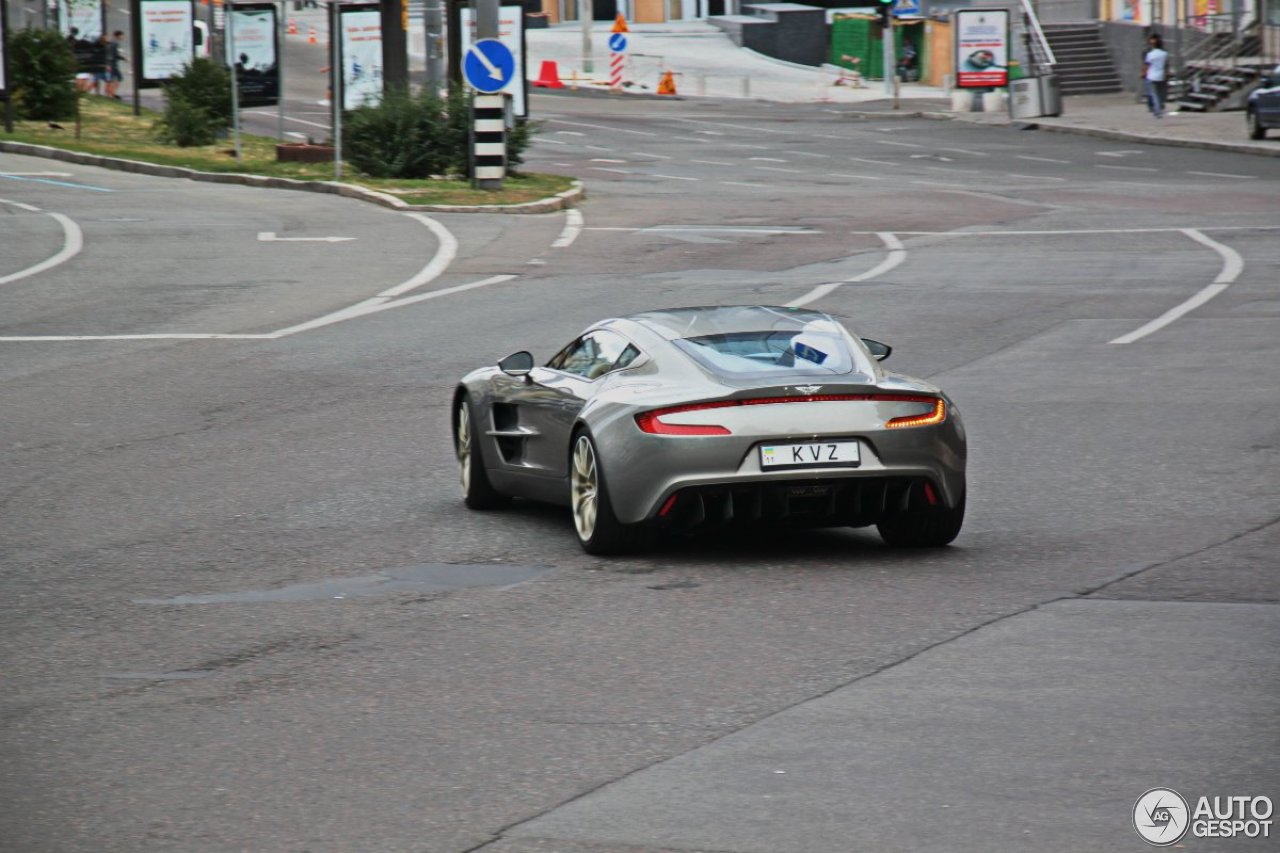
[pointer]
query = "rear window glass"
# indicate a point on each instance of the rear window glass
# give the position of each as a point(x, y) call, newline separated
point(818, 348)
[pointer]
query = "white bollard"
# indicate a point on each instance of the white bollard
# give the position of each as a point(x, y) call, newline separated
point(961, 101)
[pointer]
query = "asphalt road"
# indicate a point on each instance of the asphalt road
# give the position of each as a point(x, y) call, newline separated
point(233, 616)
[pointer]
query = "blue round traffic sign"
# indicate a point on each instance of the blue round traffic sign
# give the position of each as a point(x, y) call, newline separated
point(489, 65)
point(618, 42)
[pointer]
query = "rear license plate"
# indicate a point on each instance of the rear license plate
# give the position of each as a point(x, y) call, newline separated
point(806, 455)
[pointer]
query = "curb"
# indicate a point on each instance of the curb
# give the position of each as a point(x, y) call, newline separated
point(559, 201)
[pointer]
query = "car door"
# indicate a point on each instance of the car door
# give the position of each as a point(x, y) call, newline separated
point(547, 405)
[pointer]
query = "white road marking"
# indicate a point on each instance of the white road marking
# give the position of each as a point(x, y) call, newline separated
point(712, 162)
point(710, 132)
point(598, 127)
point(1128, 168)
point(769, 159)
point(1037, 177)
point(780, 169)
point(897, 254)
point(551, 141)
point(1232, 266)
point(874, 162)
point(737, 126)
point(900, 144)
point(954, 169)
point(654, 156)
point(270, 237)
point(436, 266)
point(938, 184)
point(1040, 159)
point(610, 169)
point(72, 243)
point(742, 184)
point(675, 177)
point(597, 148)
point(808, 154)
point(1223, 175)
point(966, 151)
point(605, 160)
point(571, 132)
point(40, 174)
point(572, 228)
point(862, 177)
point(711, 229)
point(1125, 153)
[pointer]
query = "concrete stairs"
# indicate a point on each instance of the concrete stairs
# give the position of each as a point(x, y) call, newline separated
point(1084, 66)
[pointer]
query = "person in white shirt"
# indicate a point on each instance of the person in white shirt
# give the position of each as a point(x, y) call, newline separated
point(1155, 76)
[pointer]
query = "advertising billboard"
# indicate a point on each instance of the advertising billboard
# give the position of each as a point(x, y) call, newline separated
point(253, 50)
point(360, 54)
point(982, 48)
point(88, 17)
point(163, 44)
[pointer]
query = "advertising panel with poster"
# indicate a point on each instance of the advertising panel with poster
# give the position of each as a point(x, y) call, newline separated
point(360, 54)
point(254, 34)
point(163, 42)
point(982, 48)
point(511, 34)
point(88, 17)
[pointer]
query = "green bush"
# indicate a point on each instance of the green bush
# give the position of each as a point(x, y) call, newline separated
point(42, 72)
point(197, 104)
point(417, 136)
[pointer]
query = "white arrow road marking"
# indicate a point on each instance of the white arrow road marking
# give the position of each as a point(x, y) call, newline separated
point(270, 237)
point(1232, 266)
point(897, 254)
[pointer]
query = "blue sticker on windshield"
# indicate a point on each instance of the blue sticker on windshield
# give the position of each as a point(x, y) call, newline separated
point(808, 353)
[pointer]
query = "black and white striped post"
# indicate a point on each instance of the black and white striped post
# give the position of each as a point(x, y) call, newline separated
point(489, 140)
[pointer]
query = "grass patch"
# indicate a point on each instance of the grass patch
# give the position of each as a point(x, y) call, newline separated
point(110, 128)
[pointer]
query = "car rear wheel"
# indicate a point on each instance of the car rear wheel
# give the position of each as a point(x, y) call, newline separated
point(598, 529)
point(922, 525)
point(477, 491)
point(1256, 130)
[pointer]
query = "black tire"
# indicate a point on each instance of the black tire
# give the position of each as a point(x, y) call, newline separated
point(1256, 130)
point(923, 526)
point(477, 491)
point(598, 530)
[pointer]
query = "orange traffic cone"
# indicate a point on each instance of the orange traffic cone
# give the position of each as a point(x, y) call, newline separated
point(311, 36)
point(549, 76)
point(620, 24)
point(667, 84)
point(293, 27)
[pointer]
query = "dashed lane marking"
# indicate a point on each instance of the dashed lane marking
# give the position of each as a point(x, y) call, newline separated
point(1040, 159)
point(1223, 175)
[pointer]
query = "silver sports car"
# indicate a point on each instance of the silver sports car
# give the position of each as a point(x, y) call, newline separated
point(693, 417)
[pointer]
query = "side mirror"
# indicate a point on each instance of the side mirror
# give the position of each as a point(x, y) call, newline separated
point(878, 350)
point(517, 364)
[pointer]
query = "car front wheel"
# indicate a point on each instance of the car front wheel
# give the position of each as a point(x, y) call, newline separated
point(1256, 130)
point(921, 525)
point(477, 491)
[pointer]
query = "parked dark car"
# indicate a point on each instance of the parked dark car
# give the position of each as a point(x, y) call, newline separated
point(1263, 109)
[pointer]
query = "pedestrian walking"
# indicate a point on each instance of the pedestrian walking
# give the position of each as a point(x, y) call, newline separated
point(1155, 75)
point(98, 62)
point(115, 56)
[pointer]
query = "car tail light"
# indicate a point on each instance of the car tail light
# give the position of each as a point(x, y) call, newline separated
point(651, 422)
point(937, 416)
